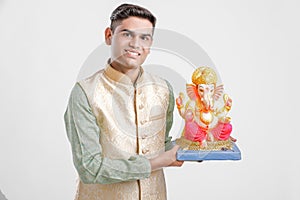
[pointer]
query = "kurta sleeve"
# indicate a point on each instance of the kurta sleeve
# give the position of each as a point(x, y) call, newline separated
point(83, 134)
point(169, 120)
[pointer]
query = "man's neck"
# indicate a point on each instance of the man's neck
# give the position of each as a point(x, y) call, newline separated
point(132, 73)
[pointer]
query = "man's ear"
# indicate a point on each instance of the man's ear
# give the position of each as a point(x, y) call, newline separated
point(108, 35)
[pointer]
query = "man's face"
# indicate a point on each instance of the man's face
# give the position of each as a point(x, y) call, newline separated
point(130, 42)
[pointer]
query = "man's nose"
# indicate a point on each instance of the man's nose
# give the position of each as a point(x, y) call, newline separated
point(134, 42)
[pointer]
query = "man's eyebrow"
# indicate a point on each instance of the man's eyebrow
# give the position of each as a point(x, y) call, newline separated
point(126, 30)
point(132, 32)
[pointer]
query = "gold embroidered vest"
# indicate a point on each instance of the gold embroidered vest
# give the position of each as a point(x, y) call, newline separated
point(132, 121)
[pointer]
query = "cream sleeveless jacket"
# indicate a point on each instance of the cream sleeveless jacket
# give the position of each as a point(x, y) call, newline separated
point(132, 120)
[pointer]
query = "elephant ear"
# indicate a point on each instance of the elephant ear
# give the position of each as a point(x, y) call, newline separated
point(191, 91)
point(218, 92)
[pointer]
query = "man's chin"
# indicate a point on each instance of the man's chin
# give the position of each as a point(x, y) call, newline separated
point(132, 64)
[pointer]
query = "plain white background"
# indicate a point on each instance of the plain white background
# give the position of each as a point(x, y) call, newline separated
point(254, 45)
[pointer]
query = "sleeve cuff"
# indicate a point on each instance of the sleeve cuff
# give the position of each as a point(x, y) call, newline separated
point(145, 169)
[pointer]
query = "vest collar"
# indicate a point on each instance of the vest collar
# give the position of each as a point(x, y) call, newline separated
point(117, 76)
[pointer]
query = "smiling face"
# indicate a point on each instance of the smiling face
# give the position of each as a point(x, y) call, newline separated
point(130, 43)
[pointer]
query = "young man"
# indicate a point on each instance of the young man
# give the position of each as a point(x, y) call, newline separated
point(118, 120)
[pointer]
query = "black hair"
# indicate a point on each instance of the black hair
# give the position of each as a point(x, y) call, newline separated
point(125, 11)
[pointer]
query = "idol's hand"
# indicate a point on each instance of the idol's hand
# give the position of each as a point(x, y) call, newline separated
point(179, 101)
point(227, 102)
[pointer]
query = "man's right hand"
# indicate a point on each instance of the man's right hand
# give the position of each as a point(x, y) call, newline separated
point(166, 159)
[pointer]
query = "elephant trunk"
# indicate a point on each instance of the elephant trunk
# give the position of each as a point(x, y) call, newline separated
point(207, 101)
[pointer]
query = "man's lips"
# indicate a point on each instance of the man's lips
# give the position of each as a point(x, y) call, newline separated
point(132, 52)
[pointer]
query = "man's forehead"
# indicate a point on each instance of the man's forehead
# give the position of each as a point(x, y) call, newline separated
point(135, 24)
point(135, 30)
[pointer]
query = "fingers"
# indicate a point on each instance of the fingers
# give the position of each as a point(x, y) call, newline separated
point(179, 163)
point(176, 163)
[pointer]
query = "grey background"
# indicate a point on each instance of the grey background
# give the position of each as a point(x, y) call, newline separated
point(254, 45)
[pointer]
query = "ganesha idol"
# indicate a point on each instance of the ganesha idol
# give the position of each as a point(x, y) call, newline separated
point(207, 126)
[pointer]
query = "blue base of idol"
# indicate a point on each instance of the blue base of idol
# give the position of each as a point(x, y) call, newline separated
point(191, 155)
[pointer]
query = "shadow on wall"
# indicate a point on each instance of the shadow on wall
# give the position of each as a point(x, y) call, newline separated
point(2, 197)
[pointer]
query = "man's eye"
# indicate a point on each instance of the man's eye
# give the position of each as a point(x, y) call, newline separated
point(146, 38)
point(126, 34)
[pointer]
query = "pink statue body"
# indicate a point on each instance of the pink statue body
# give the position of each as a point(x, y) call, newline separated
point(204, 114)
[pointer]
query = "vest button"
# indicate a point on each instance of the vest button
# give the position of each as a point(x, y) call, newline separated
point(144, 136)
point(144, 151)
point(141, 106)
point(143, 122)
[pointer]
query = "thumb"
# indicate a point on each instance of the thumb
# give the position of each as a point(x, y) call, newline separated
point(175, 148)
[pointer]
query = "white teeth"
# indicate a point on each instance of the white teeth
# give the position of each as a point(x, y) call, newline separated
point(132, 53)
